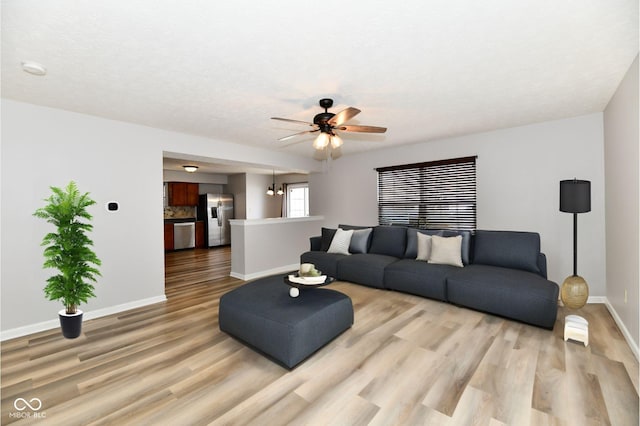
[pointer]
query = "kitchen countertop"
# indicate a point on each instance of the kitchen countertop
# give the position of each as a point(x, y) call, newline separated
point(180, 220)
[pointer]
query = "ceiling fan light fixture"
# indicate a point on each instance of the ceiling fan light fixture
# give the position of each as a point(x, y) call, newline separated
point(190, 168)
point(336, 141)
point(321, 141)
point(328, 144)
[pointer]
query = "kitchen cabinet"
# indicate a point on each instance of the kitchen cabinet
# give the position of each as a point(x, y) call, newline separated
point(182, 194)
point(168, 236)
point(200, 241)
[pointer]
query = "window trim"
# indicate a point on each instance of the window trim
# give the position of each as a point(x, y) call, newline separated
point(291, 186)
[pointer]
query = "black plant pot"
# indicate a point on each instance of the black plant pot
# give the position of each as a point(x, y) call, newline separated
point(71, 324)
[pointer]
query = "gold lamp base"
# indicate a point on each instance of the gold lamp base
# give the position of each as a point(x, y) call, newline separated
point(574, 292)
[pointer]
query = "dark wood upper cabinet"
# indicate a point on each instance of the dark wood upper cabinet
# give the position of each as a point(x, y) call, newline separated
point(182, 194)
point(192, 194)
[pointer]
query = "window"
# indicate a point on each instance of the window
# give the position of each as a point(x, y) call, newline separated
point(297, 199)
point(433, 195)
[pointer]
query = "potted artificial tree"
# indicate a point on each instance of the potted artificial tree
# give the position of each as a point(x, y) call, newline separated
point(69, 251)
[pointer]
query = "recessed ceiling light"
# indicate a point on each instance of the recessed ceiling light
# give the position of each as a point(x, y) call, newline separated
point(33, 68)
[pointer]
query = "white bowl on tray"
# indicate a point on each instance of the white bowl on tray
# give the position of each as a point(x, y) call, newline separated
point(307, 280)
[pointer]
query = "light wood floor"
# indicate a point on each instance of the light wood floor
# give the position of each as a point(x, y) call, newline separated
point(407, 360)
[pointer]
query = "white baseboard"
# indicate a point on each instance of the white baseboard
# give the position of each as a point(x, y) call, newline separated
point(632, 344)
point(265, 273)
point(627, 336)
point(48, 325)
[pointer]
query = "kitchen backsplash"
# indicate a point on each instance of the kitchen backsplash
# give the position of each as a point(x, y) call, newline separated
point(179, 212)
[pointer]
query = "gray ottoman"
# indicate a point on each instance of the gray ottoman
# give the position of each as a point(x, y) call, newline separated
point(264, 316)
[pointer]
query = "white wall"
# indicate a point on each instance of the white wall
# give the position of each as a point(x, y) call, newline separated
point(114, 161)
point(197, 177)
point(261, 247)
point(518, 175)
point(257, 198)
point(621, 155)
point(238, 187)
point(210, 188)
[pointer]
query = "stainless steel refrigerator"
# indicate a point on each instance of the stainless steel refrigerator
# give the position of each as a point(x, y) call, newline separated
point(216, 210)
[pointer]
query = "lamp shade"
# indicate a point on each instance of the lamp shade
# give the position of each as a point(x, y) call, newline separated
point(575, 196)
point(321, 141)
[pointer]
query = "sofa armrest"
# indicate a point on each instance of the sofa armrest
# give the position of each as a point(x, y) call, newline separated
point(316, 243)
point(542, 264)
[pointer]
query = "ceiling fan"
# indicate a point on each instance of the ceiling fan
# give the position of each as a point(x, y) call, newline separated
point(328, 142)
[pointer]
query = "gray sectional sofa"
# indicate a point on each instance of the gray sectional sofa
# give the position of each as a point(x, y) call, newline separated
point(503, 273)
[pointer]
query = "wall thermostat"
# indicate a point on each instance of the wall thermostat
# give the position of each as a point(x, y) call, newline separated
point(112, 206)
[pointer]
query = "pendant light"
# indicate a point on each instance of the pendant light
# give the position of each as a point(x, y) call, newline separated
point(271, 189)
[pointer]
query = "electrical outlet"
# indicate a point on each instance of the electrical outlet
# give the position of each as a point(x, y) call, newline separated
point(625, 295)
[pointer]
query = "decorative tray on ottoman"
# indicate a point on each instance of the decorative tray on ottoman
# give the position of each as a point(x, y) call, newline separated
point(295, 280)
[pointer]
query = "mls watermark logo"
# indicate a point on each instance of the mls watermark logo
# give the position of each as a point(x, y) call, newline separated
point(27, 409)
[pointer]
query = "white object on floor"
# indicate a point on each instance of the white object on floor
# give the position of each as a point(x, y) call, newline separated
point(576, 328)
point(294, 292)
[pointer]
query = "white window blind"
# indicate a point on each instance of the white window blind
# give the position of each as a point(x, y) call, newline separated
point(432, 195)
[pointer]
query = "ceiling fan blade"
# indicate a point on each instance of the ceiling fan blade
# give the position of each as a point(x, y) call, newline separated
point(293, 121)
point(298, 134)
point(362, 129)
point(344, 116)
point(291, 143)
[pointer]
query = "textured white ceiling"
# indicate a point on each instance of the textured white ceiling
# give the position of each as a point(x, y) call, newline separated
point(424, 69)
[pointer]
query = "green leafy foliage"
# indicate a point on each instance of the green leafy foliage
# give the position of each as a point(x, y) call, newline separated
point(69, 248)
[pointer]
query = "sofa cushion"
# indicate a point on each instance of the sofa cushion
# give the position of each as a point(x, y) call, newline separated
point(521, 295)
point(389, 240)
point(327, 263)
point(411, 251)
point(446, 250)
point(327, 236)
point(360, 240)
point(366, 269)
point(421, 278)
point(508, 249)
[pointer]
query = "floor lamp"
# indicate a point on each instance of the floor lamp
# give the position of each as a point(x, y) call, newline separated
point(575, 197)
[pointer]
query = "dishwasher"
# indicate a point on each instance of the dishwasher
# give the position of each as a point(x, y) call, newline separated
point(184, 235)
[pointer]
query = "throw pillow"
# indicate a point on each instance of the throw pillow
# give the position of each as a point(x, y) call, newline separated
point(340, 242)
point(360, 240)
point(466, 243)
point(388, 240)
point(446, 250)
point(424, 247)
point(327, 236)
point(412, 241)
